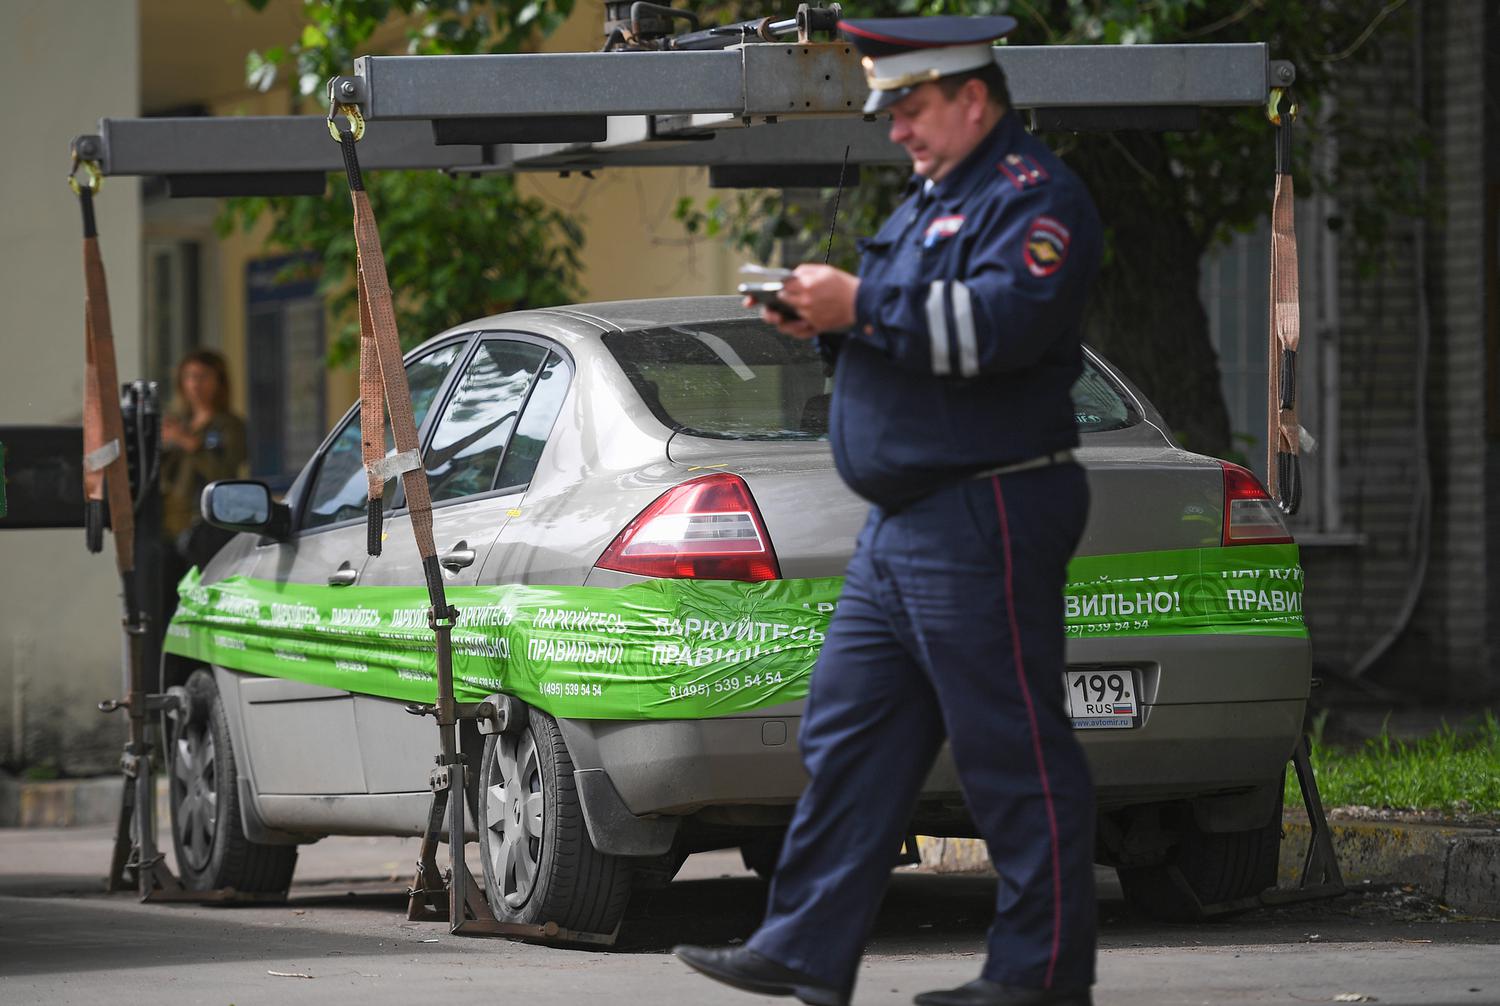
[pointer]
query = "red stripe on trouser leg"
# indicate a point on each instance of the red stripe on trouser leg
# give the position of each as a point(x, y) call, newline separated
point(1036, 736)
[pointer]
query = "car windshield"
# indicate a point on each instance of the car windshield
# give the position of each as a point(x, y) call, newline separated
point(743, 380)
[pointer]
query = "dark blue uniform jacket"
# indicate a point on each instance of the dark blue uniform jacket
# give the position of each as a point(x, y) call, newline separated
point(967, 339)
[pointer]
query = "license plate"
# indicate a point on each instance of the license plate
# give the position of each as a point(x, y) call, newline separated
point(1102, 700)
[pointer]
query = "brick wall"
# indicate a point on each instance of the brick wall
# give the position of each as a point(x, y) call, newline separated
point(1355, 594)
point(1491, 125)
point(1454, 612)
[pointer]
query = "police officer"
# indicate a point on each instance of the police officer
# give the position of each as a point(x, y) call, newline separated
point(951, 414)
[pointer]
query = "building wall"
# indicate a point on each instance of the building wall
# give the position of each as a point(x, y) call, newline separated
point(1425, 580)
point(1453, 612)
point(1490, 119)
point(60, 644)
point(633, 247)
point(60, 639)
point(1357, 587)
point(231, 255)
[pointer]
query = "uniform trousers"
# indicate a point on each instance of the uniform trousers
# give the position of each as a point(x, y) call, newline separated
point(950, 625)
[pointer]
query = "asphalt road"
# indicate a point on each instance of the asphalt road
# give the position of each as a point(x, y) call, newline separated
point(342, 938)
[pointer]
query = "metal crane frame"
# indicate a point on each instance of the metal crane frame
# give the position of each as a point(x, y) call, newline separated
point(589, 111)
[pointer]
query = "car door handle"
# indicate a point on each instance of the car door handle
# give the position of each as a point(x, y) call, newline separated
point(343, 576)
point(457, 557)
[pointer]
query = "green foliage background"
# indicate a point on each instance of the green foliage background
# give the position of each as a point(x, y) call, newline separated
point(1218, 177)
point(456, 248)
point(1166, 198)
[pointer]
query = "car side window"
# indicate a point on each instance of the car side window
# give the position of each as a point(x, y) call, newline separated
point(536, 423)
point(339, 491)
point(469, 441)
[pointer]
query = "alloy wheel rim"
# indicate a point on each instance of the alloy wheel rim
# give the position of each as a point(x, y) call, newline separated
point(196, 795)
point(514, 802)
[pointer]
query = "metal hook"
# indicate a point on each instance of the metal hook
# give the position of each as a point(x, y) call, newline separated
point(356, 121)
point(1273, 106)
point(91, 168)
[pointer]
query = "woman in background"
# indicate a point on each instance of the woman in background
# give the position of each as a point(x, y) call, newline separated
point(202, 441)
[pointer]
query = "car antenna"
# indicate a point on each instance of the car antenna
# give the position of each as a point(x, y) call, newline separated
point(837, 196)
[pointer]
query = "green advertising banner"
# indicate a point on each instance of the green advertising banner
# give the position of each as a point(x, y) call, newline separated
point(669, 649)
point(1244, 590)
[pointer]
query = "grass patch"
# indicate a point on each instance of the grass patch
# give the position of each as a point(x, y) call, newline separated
point(1456, 771)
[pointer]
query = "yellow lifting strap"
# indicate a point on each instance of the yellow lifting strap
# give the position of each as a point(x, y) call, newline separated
point(105, 475)
point(1283, 431)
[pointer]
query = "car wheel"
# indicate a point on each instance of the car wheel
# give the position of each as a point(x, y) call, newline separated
point(207, 833)
point(539, 864)
point(1205, 869)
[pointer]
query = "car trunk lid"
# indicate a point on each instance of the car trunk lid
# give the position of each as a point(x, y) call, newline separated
point(1149, 497)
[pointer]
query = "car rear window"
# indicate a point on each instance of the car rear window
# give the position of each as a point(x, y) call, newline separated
point(1098, 405)
point(735, 380)
point(743, 380)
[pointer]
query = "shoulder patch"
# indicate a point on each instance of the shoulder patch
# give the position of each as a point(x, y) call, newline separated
point(1046, 246)
point(940, 229)
point(1023, 170)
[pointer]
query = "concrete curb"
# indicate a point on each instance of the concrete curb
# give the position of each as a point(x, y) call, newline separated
point(1458, 866)
point(66, 803)
point(954, 855)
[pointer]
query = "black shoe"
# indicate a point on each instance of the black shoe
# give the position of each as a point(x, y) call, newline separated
point(745, 969)
point(982, 992)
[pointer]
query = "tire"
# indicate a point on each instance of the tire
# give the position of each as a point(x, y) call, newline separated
point(207, 832)
point(539, 864)
point(1206, 869)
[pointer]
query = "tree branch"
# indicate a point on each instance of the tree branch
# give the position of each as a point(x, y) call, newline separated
point(1150, 179)
point(1036, 16)
point(1224, 22)
point(1364, 36)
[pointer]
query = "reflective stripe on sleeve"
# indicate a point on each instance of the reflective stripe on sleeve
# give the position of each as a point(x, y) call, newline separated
point(937, 329)
point(963, 318)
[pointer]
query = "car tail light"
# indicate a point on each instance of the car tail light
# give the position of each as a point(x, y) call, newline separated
point(704, 529)
point(1250, 515)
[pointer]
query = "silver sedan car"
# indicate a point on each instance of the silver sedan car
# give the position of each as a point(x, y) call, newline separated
point(572, 446)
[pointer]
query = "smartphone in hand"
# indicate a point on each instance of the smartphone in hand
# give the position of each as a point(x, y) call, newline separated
point(766, 294)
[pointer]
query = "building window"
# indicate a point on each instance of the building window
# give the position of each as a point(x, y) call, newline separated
point(173, 307)
point(284, 360)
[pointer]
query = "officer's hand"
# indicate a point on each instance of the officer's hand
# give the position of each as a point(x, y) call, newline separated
point(797, 329)
point(823, 296)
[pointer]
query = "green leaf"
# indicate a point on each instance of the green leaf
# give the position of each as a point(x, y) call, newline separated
point(313, 37)
point(260, 73)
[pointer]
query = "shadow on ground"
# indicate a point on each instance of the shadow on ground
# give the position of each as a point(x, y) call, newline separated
point(52, 929)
